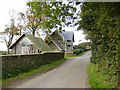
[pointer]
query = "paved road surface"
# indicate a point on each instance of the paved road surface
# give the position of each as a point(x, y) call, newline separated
point(71, 74)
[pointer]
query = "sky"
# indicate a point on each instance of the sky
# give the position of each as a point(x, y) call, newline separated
point(20, 6)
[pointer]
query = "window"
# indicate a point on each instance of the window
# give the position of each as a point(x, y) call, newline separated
point(25, 44)
point(22, 44)
point(58, 40)
point(68, 45)
point(68, 40)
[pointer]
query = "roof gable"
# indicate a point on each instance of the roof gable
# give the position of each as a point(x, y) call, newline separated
point(68, 35)
point(38, 42)
point(17, 41)
point(65, 35)
point(57, 45)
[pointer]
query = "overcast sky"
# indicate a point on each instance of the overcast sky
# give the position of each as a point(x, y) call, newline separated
point(20, 5)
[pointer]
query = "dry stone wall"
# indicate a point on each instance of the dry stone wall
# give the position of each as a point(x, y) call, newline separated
point(12, 61)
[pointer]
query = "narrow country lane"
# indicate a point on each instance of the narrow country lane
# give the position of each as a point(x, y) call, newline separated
point(71, 74)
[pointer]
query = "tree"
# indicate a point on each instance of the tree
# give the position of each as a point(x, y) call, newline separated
point(52, 15)
point(85, 45)
point(29, 22)
point(9, 33)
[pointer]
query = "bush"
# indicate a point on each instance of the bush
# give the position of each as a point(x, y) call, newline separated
point(101, 22)
point(23, 69)
point(78, 51)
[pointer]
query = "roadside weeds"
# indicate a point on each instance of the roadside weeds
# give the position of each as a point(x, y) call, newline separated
point(41, 69)
point(96, 78)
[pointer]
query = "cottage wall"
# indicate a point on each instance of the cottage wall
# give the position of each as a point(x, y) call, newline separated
point(69, 46)
point(24, 46)
point(13, 50)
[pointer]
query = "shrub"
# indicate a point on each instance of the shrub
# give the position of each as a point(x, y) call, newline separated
point(78, 51)
point(101, 23)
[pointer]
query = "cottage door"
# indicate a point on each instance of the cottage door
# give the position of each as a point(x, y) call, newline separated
point(23, 48)
point(23, 51)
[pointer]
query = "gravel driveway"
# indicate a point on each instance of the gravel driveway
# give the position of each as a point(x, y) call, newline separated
point(71, 74)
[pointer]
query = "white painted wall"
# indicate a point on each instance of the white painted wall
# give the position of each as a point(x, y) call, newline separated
point(23, 47)
point(69, 48)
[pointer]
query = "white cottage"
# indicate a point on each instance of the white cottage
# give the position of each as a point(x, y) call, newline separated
point(61, 41)
point(28, 44)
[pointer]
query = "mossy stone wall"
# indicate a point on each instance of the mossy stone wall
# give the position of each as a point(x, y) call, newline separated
point(68, 54)
point(13, 61)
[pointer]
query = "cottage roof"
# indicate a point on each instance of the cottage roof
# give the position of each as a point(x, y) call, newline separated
point(38, 42)
point(65, 35)
point(68, 35)
point(57, 45)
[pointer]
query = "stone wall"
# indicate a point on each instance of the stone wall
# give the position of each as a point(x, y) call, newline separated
point(12, 61)
point(68, 54)
point(0, 73)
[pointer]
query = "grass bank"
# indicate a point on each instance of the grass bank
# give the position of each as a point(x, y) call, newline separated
point(97, 79)
point(46, 67)
point(80, 54)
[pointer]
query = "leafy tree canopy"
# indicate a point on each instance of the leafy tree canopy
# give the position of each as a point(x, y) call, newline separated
point(53, 15)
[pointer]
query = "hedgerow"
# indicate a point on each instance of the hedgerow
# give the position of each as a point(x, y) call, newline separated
point(101, 23)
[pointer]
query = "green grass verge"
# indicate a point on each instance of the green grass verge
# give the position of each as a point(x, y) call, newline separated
point(78, 54)
point(46, 67)
point(97, 79)
point(0, 84)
